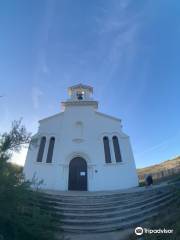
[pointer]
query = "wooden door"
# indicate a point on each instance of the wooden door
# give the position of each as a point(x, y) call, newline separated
point(77, 174)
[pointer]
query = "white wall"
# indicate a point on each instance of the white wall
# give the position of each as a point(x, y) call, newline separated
point(89, 145)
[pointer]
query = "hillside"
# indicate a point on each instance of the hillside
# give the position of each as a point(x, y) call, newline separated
point(168, 164)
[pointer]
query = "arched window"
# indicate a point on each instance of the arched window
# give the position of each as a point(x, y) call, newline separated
point(107, 150)
point(50, 150)
point(41, 149)
point(117, 149)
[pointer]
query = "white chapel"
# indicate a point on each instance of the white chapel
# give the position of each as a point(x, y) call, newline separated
point(80, 148)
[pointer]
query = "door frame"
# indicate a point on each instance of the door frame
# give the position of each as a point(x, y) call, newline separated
point(85, 162)
point(69, 157)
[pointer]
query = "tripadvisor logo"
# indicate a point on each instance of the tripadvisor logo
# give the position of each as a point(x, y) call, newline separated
point(139, 231)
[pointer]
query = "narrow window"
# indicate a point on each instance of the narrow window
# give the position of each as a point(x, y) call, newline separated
point(50, 150)
point(41, 149)
point(117, 149)
point(107, 150)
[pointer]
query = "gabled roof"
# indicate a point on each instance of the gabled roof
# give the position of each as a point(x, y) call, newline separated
point(80, 85)
point(53, 116)
point(108, 116)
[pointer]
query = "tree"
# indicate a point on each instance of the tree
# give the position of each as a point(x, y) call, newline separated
point(21, 212)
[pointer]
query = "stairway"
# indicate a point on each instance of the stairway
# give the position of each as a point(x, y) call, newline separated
point(85, 212)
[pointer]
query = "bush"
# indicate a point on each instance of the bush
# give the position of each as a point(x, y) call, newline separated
point(21, 216)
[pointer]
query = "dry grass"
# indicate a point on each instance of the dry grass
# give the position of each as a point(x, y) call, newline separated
point(169, 164)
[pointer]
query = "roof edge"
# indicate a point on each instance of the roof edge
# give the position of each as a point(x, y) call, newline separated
point(106, 115)
point(55, 115)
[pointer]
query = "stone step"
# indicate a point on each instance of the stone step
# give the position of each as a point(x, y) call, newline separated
point(93, 199)
point(112, 199)
point(98, 194)
point(99, 201)
point(106, 211)
point(116, 223)
point(110, 214)
point(118, 218)
point(102, 228)
point(109, 206)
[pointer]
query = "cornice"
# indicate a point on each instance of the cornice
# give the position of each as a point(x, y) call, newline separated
point(80, 103)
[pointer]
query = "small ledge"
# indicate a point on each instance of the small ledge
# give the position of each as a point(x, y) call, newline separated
point(114, 163)
point(78, 140)
point(80, 103)
point(45, 163)
point(38, 162)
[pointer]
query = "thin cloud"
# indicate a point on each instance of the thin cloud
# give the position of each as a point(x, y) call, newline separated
point(157, 147)
point(121, 32)
point(36, 95)
point(42, 66)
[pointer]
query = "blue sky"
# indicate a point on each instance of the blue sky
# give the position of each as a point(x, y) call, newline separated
point(129, 51)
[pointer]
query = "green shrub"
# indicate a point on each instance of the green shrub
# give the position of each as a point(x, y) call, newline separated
point(21, 217)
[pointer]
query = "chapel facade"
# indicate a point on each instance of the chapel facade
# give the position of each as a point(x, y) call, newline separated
point(81, 149)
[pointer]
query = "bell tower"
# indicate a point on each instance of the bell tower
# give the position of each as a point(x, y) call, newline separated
point(80, 95)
